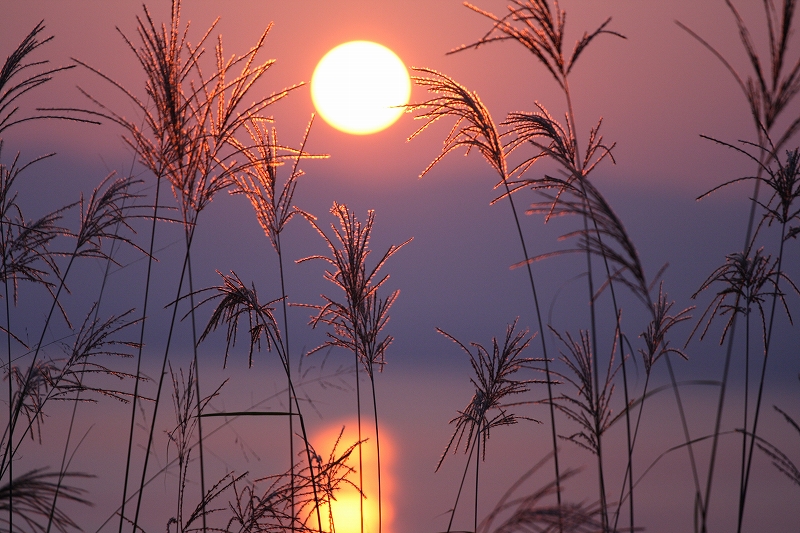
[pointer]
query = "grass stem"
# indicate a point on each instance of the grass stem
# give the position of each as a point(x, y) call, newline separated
point(762, 378)
point(135, 400)
point(197, 393)
point(161, 378)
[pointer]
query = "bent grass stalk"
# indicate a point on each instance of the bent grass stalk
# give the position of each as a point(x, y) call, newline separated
point(480, 133)
point(542, 33)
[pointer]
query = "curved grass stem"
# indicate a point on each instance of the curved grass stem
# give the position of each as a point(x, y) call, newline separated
point(540, 323)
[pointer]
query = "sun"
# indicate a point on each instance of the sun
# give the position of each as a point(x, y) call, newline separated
point(359, 87)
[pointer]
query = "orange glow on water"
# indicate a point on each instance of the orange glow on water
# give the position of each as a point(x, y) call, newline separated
point(345, 509)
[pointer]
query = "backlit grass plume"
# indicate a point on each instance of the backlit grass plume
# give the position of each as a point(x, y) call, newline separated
point(236, 301)
point(780, 460)
point(257, 179)
point(292, 501)
point(495, 381)
point(189, 117)
point(540, 28)
point(534, 514)
point(58, 378)
point(16, 80)
point(25, 244)
point(188, 412)
point(358, 320)
point(475, 129)
point(749, 278)
point(590, 409)
point(772, 84)
point(589, 405)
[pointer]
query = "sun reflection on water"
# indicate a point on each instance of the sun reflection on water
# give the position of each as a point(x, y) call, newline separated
point(345, 509)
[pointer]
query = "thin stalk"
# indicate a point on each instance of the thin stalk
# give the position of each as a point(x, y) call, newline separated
point(378, 452)
point(288, 374)
point(718, 422)
point(553, 432)
point(161, 380)
point(628, 435)
point(308, 455)
point(743, 497)
point(685, 425)
point(62, 468)
point(10, 387)
point(630, 440)
point(624, 371)
point(746, 397)
point(572, 125)
point(135, 400)
point(360, 461)
point(753, 204)
point(460, 487)
point(477, 479)
point(596, 372)
point(197, 389)
point(284, 361)
point(592, 312)
point(632, 444)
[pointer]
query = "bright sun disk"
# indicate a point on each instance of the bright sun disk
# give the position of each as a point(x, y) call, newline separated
point(360, 87)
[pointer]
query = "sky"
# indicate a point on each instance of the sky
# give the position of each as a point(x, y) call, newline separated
point(657, 91)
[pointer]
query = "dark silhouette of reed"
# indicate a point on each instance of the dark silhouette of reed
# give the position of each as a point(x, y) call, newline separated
point(358, 321)
point(202, 129)
point(494, 380)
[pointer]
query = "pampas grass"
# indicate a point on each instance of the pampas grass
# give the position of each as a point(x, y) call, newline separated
point(358, 320)
point(201, 127)
point(495, 379)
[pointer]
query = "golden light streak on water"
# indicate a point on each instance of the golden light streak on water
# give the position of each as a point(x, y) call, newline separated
point(346, 511)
